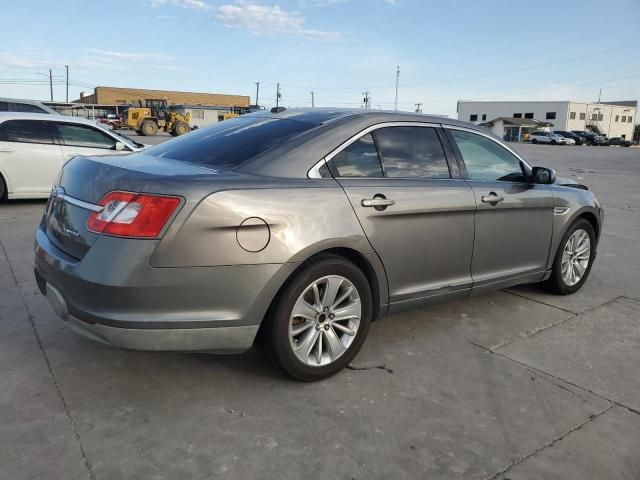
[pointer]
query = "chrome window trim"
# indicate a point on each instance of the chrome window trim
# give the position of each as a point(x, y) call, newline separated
point(490, 137)
point(315, 170)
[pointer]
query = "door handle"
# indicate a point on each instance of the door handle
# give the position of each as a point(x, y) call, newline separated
point(377, 202)
point(492, 198)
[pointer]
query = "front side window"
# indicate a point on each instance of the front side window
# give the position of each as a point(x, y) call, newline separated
point(84, 136)
point(27, 131)
point(411, 152)
point(360, 159)
point(486, 160)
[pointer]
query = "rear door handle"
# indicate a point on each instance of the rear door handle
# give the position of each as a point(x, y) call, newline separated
point(492, 198)
point(377, 202)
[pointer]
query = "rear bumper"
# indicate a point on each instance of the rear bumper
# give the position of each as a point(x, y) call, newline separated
point(106, 298)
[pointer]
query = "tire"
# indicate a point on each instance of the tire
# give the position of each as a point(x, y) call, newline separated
point(3, 189)
point(318, 331)
point(534, 141)
point(553, 142)
point(559, 283)
point(149, 128)
point(181, 128)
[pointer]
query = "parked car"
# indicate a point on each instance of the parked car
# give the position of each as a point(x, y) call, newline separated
point(24, 106)
point(622, 142)
point(34, 146)
point(547, 137)
point(570, 135)
point(301, 227)
point(113, 121)
point(590, 138)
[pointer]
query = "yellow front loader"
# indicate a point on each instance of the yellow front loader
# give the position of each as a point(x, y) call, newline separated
point(148, 120)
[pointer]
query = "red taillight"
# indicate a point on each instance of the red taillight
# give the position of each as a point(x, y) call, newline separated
point(132, 214)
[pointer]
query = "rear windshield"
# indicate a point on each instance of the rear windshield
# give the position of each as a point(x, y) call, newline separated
point(229, 144)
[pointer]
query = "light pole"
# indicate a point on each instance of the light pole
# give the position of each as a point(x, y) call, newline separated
point(313, 103)
point(50, 82)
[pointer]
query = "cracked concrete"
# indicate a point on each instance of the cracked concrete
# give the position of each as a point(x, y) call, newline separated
point(512, 385)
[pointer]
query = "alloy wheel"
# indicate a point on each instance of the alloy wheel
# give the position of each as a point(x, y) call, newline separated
point(575, 257)
point(324, 320)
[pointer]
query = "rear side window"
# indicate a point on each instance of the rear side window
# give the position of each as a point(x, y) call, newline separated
point(411, 152)
point(360, 159)
point(228, 145)
point(27, 131)
point(28, 108)
point(81, 136)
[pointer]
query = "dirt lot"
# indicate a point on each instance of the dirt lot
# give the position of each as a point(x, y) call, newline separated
point(518, 384)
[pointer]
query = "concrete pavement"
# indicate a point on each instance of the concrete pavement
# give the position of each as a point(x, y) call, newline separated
point(517, 384)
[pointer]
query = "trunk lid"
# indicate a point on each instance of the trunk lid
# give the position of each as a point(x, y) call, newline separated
point(84, 181)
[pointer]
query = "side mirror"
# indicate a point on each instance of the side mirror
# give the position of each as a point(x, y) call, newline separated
point(542, 175)
point(119, 146)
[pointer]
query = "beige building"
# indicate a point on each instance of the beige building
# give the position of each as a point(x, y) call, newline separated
point(133, 96)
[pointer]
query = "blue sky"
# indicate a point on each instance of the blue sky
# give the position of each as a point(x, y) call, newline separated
point(447, 50)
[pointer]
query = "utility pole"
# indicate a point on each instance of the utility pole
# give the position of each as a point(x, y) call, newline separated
point(257, 93)
point(278, 95)
point(313, 103)
point(397, 85)
point(599, 95)
point(67, 68)
point(418, 107)
point(51, 84)
point(367, 100)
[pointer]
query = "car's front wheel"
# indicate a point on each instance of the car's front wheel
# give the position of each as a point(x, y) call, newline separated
point(321, 319)
point(574, 259)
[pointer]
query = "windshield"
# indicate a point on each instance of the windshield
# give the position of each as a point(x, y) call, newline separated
point(229, 144)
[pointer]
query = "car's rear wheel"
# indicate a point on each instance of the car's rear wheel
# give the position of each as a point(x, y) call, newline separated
point(574, 259)
point(321, 319)
point(3, 189)
point(534, 141)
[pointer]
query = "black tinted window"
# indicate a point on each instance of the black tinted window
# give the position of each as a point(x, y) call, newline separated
point(360, 159)
point(26, 131)
point(229, 144)
point(81, 136)
point(411, 152)
point(26, 107)
point(4, 107)
point(486, 159)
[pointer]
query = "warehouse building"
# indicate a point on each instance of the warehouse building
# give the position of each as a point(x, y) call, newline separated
point(137, 96)
point(613, 119)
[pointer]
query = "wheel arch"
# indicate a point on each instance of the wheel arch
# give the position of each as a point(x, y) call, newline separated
point(369, 264)
point(4, 183)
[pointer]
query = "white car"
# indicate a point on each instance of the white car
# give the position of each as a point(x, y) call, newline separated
point(549, 137)
point(34, 146)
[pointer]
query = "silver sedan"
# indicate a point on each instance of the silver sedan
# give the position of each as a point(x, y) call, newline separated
point(299, 228)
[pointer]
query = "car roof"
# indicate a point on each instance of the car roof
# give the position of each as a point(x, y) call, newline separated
point(322, 116)
point(4, 116)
